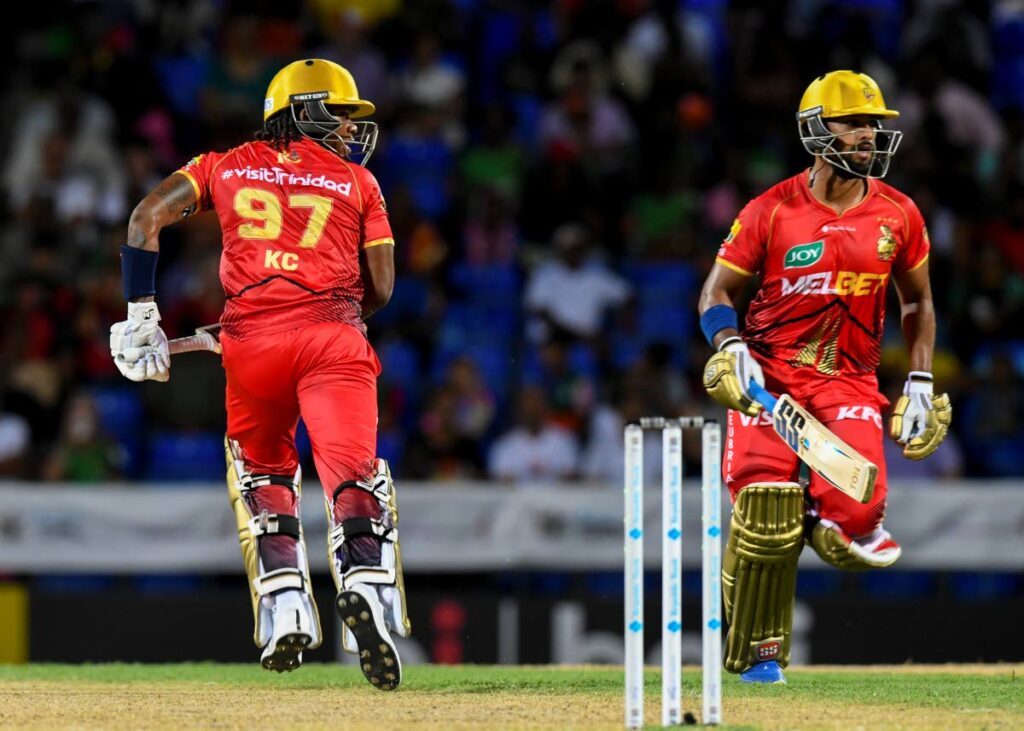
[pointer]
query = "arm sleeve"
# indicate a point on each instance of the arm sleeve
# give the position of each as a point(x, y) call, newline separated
point(199, 171)
point(914, 251)
point(744, 247)
point(376, 227)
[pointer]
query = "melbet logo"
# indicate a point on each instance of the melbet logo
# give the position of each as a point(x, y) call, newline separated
point(803, 255)
point(856, 284)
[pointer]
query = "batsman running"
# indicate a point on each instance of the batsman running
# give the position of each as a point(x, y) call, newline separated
point(308, 255)
point(825, 243)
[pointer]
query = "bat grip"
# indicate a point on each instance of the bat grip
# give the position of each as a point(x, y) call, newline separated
point(199, 341)
point(762, 396)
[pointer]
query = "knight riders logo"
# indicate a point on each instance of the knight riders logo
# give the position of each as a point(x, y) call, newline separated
point(886, 244)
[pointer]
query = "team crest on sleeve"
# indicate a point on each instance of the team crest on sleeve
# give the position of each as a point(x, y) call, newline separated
point(886, 244)
point(194, 161)
point(734, 231)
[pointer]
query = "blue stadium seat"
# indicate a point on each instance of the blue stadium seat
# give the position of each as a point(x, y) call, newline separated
point(122, 417)
point(400, 362)
point(185, 456)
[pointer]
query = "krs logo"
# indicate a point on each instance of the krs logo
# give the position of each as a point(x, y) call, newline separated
point(859, 413)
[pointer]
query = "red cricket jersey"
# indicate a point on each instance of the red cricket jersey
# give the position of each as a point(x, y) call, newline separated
point(821, 305)
point(293, 224)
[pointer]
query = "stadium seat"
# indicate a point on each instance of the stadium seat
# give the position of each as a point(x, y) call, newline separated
point(185, 457)
point(121, 417)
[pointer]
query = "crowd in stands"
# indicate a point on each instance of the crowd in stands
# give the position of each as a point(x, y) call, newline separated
point(559, 175)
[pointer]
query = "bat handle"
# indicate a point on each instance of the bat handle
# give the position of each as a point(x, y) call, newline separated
point(762, 396)
point(200, 341)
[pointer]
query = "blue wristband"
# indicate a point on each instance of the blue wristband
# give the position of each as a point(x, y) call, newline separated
point(717, 318)
point(138, 272)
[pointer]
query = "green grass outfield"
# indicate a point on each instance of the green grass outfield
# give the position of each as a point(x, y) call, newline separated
point(208, 695)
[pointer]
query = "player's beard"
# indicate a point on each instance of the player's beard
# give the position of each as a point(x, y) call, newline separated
point(856, 169)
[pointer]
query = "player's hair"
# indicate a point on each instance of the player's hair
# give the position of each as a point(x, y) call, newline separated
point(280, 130)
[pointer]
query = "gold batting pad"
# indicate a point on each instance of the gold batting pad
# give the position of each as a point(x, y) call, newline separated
point(723, 385)
point(246, 540)
point(935, 428)
point(388, 577)
point(249, 543)
point(835, 547)
point(766, 535)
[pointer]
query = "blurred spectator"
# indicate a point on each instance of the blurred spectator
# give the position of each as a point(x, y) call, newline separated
point(83, 453)
point(240, 73)
point(15, 443)
point(535, 449)
point(510, 133)
point(572, 294)
point(432, 82)
point(439, 450)
point(490, 235)
point(584, 121)
point(474, 403)
point(349, 45)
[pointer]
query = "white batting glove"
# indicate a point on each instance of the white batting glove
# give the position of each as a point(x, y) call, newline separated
point(138, 345)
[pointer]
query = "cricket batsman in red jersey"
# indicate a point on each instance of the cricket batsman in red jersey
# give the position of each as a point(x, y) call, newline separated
point(307, 257)
point(825, 245)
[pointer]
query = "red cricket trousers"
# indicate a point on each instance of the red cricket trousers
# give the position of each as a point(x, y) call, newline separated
point(327, 373)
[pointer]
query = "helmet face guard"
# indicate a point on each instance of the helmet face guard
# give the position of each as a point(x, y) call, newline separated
point(323, 128)
point(819, 141)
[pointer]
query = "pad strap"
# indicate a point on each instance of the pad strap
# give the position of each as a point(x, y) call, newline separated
point(361, 526)
point(252, 482)
point(280, 580)
point(272, 523)
point(379, 489)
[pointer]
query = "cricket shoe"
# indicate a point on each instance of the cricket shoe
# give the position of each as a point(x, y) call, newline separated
point(293, 632)
point(362, 613)
point(768, 673)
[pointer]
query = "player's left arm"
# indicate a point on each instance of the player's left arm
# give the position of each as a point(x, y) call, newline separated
point(137, 344)
point(920, 419)
point(378, 269)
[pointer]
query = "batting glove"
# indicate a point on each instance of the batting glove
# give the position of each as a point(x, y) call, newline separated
point(138, 345)
point(727, 374)
point(920, 419)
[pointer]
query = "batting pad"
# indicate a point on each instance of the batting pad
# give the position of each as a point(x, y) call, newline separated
point(263, 584)
point(759, 573)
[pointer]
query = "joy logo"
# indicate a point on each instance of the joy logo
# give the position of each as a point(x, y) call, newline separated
point(803, 255)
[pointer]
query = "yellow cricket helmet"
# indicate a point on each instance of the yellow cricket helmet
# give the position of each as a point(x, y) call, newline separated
point(314, 79)
point(306, 89)
point(846, 94)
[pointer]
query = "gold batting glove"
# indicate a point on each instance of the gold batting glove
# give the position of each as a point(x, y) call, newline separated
point(920, 419)
point(727, 374)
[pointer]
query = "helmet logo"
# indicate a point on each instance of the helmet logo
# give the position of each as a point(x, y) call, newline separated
point(308, 96)
point(868, 94)
point(268, 104)
point(886, 244)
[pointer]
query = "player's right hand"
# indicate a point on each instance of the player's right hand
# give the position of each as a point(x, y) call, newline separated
point(139, 346)
point(727, 374)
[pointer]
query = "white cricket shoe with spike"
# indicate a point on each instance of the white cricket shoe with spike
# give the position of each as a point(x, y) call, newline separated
point(362, 614)
point(294, 630)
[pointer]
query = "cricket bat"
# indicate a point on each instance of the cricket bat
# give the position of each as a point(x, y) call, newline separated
point(206, 338)
point(821, 450)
